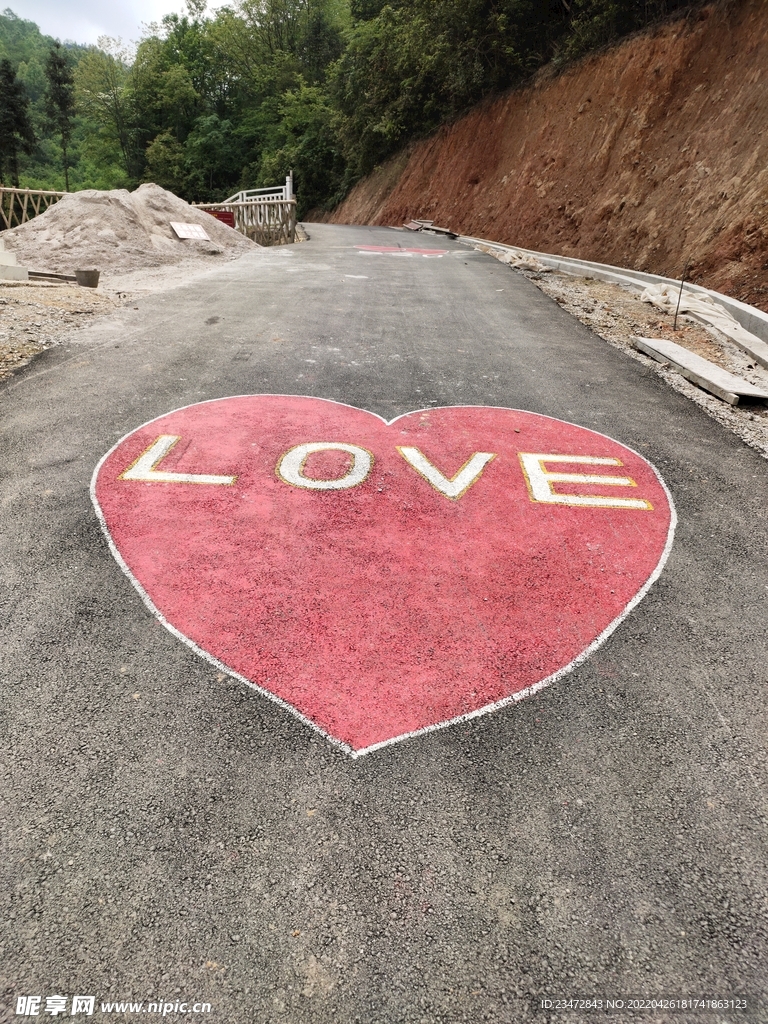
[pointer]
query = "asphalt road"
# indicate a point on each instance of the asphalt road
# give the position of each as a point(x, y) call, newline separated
point(169, 834)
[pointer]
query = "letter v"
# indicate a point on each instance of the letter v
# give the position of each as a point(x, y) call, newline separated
point(452, 487)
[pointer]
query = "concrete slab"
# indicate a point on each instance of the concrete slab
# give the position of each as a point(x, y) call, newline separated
point(740, 336)
point(13, 273)
point(702, 372)
point(9, 271)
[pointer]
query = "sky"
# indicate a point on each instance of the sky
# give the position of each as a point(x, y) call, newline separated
point(83, 21)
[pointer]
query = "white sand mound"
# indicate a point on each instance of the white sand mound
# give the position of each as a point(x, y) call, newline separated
point(118, 232)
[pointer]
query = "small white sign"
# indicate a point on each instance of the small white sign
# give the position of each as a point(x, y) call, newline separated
point(190, 231)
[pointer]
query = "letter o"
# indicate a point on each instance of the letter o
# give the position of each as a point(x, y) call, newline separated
point(290, 468)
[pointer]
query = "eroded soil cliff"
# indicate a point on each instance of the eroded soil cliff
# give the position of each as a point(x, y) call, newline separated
point(647, 155)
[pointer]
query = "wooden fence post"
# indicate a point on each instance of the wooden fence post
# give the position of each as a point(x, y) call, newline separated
point(18, 205)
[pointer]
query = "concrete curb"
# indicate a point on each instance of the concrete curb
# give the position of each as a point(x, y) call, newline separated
point(751, 319)
point(8, 269)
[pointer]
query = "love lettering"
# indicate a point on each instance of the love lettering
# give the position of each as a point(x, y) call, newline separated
point(539, 477)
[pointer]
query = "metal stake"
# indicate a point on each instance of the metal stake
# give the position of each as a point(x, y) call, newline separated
point(679, 297)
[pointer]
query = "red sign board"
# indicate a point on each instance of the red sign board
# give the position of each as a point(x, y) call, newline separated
point(383, 579)
point(225, 216)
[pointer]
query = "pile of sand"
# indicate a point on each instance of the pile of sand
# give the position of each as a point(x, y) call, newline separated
point(118, 232)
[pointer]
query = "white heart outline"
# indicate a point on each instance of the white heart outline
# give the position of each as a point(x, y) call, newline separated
point(513, 698)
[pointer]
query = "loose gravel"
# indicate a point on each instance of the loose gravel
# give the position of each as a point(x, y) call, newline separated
point(36, 317)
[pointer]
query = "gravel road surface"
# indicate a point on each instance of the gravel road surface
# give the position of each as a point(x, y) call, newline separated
point(170, 835)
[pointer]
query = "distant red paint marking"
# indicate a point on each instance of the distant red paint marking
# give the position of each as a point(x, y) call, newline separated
point(396, 250)
point(399, 601)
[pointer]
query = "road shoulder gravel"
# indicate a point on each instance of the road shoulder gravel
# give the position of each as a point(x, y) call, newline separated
point(615, 314)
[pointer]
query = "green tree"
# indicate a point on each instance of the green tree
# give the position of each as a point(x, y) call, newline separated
point(166, 162)
point(101, 90)
point(16, 133)
point(213, 157)
point(411, 66)
point(60, 101)
point(308, 146)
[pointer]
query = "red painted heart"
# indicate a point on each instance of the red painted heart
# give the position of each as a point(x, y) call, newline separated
point(383, 579)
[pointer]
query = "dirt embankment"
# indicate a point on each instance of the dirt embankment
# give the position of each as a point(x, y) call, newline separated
point(645, 156)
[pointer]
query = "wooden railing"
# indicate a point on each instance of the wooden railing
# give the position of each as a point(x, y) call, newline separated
point(271, 192)
point(250, 194)
point(18, 205)
point(265, 215)
point(268, 221)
